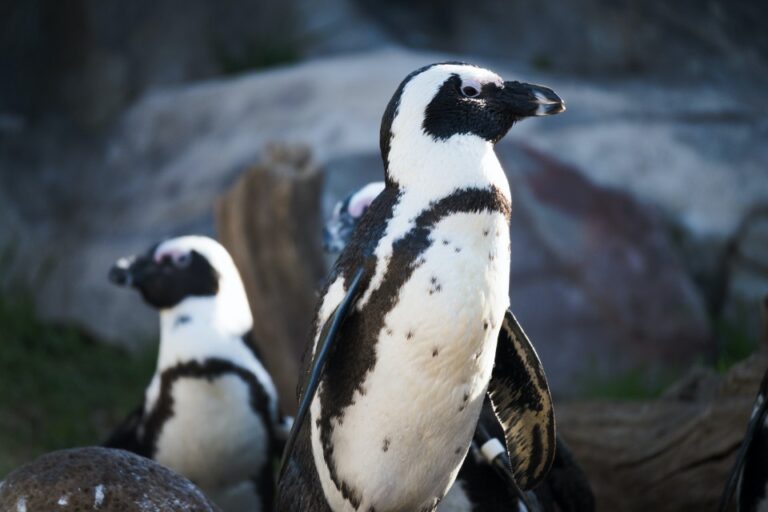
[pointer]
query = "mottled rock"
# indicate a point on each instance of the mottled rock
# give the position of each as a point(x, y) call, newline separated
point(598, 36)
point(99, 479)
point(695, 154)
point(596, 281)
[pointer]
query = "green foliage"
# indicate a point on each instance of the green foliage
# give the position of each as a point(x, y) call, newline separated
point(635, 384)
point(736, 343)
point(256, 56)
point(58, 386)
point(541, 62)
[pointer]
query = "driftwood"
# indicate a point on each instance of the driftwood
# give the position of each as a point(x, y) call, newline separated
point(669, 455)
point(270, 223)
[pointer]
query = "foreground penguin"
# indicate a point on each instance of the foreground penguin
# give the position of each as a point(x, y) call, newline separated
point(480, 485)
point(749, 476)
point(210, 412)
point(413, 329)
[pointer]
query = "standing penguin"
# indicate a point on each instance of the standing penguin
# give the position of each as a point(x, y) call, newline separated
point(749, 476)
point(413, 327)
point(210, 411)
point(479, 484)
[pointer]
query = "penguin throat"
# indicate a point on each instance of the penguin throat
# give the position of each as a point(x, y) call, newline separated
point(194, 327)
point(438, 167)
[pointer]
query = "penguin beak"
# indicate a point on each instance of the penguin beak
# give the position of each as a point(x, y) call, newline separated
point(132, 271)
point(120, 273)
point(525, 100)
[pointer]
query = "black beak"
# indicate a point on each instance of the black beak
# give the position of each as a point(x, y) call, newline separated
point(121, 272)
point(526, 100)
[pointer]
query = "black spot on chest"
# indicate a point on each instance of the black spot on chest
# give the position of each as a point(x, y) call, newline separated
point(181, 320)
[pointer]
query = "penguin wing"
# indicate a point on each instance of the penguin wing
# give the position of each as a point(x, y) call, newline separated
point(521, 400)
point(325, 344)
point(126, 436)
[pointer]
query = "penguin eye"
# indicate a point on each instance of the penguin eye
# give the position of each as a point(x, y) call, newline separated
point(183, 260)
point(471, 89)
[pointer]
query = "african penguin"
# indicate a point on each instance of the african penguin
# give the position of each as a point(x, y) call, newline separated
point(749, 476)
point(346, 214)
point(478, 486)
point(418, 309)
point(210, 411)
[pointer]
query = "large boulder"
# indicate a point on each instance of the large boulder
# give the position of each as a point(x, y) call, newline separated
point(99, 479)
point(692, 155)
point(683, 38)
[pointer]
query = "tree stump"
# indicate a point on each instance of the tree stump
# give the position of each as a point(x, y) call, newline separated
point(669, 455)
point(270, 222)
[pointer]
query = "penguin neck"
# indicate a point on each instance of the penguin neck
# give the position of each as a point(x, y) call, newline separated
point(201, 327)
point(432, 169)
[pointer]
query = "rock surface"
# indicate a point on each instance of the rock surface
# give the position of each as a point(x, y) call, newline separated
point(99, 479)
point(692, 155)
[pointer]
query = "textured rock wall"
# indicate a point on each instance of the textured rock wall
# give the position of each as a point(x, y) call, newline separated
point(641, 181)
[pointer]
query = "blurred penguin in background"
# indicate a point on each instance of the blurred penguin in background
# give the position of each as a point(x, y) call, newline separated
point(210, 411)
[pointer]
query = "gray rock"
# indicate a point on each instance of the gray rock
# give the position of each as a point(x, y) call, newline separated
point(100, 479)
point(684, 38)
point(692, 153)
point(595, 279)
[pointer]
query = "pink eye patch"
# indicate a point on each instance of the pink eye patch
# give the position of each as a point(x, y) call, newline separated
point(363, 198)
point(173, 254)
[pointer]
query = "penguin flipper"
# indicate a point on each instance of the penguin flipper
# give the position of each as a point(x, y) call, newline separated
point(522, 402)
point(126, 435)
point(326, 342)
point(755, 422)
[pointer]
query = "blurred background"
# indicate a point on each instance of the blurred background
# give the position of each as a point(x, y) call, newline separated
point(640, 217)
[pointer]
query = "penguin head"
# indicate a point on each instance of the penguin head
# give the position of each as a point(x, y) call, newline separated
point(346, 215)
point(455, 106)
point(184, 271)
point(168, 273)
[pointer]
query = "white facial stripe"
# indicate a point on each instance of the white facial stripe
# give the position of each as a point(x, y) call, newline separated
point(469, 73)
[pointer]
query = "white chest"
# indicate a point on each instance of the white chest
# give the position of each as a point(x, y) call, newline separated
point(214, 438)
point(402, 441)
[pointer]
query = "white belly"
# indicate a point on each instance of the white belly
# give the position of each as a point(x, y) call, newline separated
point(403, 440)
point(214, 438)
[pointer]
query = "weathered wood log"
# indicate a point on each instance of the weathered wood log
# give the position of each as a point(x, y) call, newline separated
point(673, 454)
point(270, 223)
